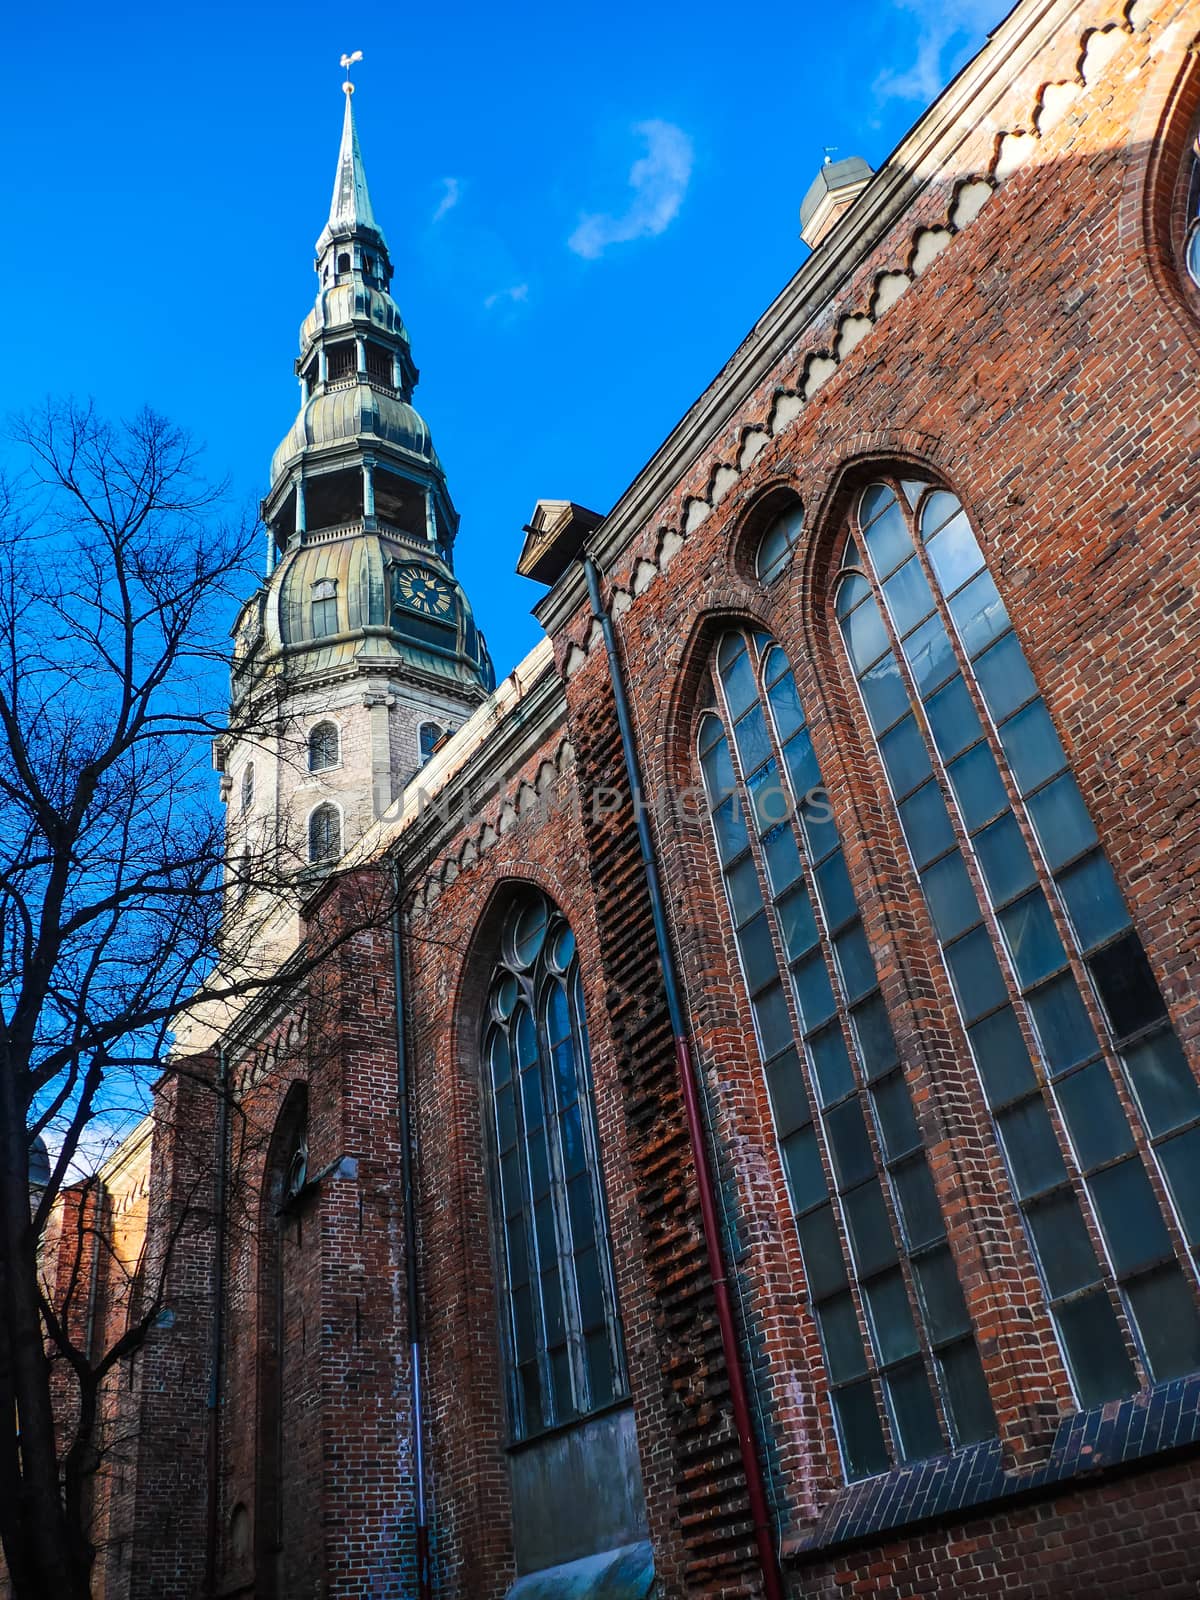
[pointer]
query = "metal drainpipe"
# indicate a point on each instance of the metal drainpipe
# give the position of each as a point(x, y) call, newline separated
point(220, 1184)
point(412, 1282)
point(764, 1534)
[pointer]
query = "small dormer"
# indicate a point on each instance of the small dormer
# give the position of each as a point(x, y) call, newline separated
point(554, 537)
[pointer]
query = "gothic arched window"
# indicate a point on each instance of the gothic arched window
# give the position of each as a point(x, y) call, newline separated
point(324, 834)
point(1065, 1021)
point(323, 607)
point(777, 542)
point(323, 747)
point(561, 1328)
point(882, 1282)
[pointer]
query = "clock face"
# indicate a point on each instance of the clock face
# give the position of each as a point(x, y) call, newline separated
point(425, 592)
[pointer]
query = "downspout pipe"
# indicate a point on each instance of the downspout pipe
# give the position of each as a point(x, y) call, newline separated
point(764, 1533)
point(412, 1287)
point(216, 1348)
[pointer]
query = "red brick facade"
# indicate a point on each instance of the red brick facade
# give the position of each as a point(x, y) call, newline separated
point(1036, 354)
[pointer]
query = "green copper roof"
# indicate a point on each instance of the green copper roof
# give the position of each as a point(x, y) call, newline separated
point(350, 210)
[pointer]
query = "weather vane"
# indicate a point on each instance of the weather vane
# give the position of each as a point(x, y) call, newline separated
point(348, 62)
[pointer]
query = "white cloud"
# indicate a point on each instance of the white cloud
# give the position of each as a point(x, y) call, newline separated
point(659, 181)
point(451, 194)
point(514, 296)
point(937, 26)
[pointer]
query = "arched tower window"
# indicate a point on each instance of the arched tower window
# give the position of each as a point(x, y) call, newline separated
point(1093, 1101)
point(880, 1275)
point(324, 747)
point(323, 608)
point(431, 734)
point(324, 834)
point(561, 1328)
point(247, 786)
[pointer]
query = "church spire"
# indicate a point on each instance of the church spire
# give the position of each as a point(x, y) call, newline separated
point(351, 215)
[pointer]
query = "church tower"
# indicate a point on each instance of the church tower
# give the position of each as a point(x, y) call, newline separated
point(360, 651)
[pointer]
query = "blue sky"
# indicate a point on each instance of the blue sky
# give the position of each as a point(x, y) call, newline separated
point(587, 208)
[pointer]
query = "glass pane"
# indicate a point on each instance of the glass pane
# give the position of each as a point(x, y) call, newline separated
point(954, 555)
point(774, 1023)
point(1127, 988)
point(1061, 821)
point(1032, 746)
point(979, 614)
point(904, 756)
point(1130, 1217)
point(1094, 1116)
point(1031, 1147)
point(941, 1296)
point(1064, 1032)
point(876, 1046)
point(952, 719)
point(796, 922)
point(908, 596)
point(1063, 1246)
point(782, 856)
point(1004, 677)
point(824, 1265)
point(816, 819)
point(853, 588)
point(1032, 938)
point(744, 893)
point(1180, 1158)
point(950, 895)
point(844, 1354)
point(831, 1063)
point(591, 1298)
point(1007, 868)
point(865, 636)
point(898, 1125)
point(580, 1210)
point(976, 974)
point(506, 1118)
point(574, 1154)
point(770, 798)
point(930, 655)
point(1004, 1063)
point(751, 737)
point(718, 770)
point(1164, 1308)
point(888, 540)
point(937, 510)
point(870, 1229)
point(848, 1144)
point(919, 1209)
point(530, 931)
point(891, 1318)
point(814, 996)
point(875, 499)
point(915, 1413)
point(806, 1176)
point(1095, 1350)
point(884, 692)
point(1093, 900)
point(772, 552)
point(599, 1365)
point(758, 953)
point(926, 824)
point(834, 891)
point(1163, 1082)
point(854, 961)
point(861, 1433)
point(729, 824)
point(967, 1398)
point(802, 764)
point(785, 704)
point(531, 1397)
point(560, 1373)
point(975, 779)
point(737, 673)
point(789, 1098)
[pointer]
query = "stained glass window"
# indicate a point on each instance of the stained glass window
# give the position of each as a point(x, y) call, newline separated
point(1036, 939)
point(900, 1355)
point(561, 1326)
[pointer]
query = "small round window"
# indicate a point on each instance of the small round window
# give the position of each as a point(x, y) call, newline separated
point(777, 543)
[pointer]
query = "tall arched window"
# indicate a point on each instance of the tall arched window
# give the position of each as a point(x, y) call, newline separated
point(561, 1327)
point(1191, 239)
point(1065, 1020)
point(323, 607)
point(900, 1355)
point(324, 747)
point(430, 736)
point(324, 834)
point(247, 786)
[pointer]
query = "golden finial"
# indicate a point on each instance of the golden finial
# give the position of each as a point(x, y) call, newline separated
point(348, 62)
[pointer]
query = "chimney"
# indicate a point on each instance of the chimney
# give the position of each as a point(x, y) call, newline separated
point(832, 192)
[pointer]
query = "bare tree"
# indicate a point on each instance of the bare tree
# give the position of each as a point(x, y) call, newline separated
point(116, 581)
